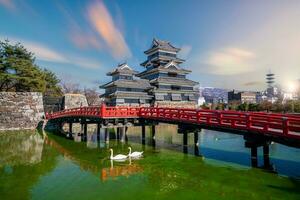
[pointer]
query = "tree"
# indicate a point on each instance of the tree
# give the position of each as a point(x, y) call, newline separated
point(243, 107)
point(204, 106)
point(253, 107)
point(277, 106)
point(19, 73)
point(52, 84)
point(92, 97)
point(70, 87)
point(265, 106)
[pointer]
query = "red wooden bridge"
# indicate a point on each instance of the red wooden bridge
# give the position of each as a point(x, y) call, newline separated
point(280, 126)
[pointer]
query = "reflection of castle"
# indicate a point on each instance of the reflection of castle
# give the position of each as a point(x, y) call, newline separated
point(116, 171)
point(163, 82)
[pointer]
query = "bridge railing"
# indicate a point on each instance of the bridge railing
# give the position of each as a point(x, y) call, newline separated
point(265, 123)
point(81, 111)
point(120, 112)
point(100, 111)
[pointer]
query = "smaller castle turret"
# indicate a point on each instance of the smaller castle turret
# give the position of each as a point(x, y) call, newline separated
point(124, 89)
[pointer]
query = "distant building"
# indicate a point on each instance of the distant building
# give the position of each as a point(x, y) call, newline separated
point(273, 92)
point(168, 78)
point(124, 89)
point(214, 95)
point(242, 97)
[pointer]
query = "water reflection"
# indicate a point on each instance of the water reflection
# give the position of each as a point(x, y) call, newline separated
point(24, 158)
point(126, 170)
point(71, 170)
point(23, 148)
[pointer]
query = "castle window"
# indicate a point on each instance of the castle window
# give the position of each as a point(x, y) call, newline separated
point(174, 87)
point(159, 97)
point(172, 74)
point(176, 97)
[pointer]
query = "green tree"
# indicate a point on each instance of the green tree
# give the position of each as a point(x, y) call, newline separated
point(243, 107)
point(52, 84)
point(277, 106)
point(265, 106)
point(253, 107)
point(19, 73)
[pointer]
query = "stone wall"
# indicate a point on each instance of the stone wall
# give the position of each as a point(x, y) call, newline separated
point(20, 110)
point(74, 101)
point(176, 104)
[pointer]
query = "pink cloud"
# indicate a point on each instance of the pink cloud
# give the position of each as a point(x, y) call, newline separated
point(84, 40)
point(81, 38)
point(8, 4)
point(103, 23)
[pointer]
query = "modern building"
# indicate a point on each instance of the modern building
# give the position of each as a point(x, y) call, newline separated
point(168, 78)
point(125, 89)
point(214, 95)
point(242, 97)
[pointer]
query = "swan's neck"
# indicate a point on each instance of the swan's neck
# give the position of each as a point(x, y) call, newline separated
point(111, 154)
point(129, 151)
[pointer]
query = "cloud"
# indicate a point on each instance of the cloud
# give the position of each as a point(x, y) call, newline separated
point(253, 83)
point(104, 25)
point(185, 51)
point(80, 37)
point(44, 53)
point(8, 4)
point(229, 61)
point(84, 40)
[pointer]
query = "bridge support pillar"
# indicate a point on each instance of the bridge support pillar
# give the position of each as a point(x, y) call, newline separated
point(143, 134)
point(70, 127)
point(85, 131)
point(106, 135)
point(118, 133)
point(81, 129)
point(153, 132)
point(253, 142)
point(123, 131)
point(98, 132)
point(266, 156)
point(196, 143)
point(254, 156)
point(185, 142)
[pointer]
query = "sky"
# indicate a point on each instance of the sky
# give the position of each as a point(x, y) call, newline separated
point(227, 44)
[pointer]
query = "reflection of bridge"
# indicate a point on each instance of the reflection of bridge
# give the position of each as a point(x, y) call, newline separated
point(258, 129)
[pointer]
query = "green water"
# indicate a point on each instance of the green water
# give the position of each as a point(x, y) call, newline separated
point(48, 166)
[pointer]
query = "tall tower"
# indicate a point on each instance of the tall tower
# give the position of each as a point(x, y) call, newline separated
point(270, 77)
point(272, 91)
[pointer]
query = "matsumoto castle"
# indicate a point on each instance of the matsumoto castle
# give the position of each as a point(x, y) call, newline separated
point(162, 83)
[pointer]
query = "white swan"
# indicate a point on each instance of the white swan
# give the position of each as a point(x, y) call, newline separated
point(135, 153)
point(117, 157)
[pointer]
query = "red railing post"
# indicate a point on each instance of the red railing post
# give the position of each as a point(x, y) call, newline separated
point(219, 117)
point(285, 126)
point(103, 109)
point(248, 121)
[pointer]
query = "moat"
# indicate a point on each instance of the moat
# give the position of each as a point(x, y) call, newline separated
point(37, 165)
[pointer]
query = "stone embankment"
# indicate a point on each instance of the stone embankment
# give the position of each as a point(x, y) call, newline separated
point(20, 110)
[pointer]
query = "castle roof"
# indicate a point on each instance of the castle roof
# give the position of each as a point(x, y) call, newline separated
point(163, 45)
point(130, 95)
point(122, 69)
point(140, 83)
point(174, 81)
